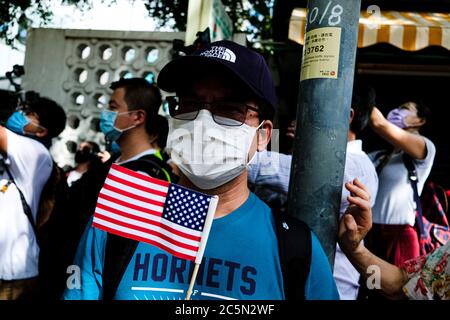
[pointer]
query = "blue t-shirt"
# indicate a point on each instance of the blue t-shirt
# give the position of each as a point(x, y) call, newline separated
point(241, 261)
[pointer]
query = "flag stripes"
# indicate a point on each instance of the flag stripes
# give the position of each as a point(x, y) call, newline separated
point(148, 228)
point(163, 224)
point(142, 208)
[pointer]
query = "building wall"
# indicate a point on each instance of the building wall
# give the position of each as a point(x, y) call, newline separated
point(76, 67)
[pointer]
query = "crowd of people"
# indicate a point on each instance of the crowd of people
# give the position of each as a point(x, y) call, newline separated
point(224, 91)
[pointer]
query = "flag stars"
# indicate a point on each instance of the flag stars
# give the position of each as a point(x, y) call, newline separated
point(185, 208)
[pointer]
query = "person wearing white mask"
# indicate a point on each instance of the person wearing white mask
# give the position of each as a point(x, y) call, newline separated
point(224, 94)
point(220, 117)
point(394, 238)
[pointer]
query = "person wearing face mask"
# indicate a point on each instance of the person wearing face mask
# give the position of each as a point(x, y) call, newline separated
point(221, 117)
point(393, 237)
point(131, 124)
point(69, 218)
point(25, 168)
point(224, 94)
point(137, 136)
point(86, 154)
point(269, 178)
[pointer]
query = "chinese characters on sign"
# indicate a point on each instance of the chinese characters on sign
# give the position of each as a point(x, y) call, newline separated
point(321, 53)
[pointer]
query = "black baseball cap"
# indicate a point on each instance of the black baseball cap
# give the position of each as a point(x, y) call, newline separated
point(244, 63)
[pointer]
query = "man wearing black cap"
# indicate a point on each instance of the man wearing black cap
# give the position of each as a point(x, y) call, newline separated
point(224, 95)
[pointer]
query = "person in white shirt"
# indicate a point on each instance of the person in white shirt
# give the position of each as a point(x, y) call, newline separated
point(272, 181)
point(394, 238)
point(426, 277)
point(25, 166)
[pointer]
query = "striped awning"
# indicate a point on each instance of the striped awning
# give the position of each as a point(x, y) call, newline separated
point(409, 31)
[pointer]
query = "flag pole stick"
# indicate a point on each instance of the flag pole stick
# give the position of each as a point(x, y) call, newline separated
point(191, 285)
point(207, 227)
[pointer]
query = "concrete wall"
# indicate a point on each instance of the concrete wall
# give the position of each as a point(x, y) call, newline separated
point(76, 67)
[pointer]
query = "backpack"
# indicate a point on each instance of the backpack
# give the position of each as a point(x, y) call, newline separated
point(434, 200)
point(72, 210)
point(294, 246)
point(431, 221)
point(52, 195)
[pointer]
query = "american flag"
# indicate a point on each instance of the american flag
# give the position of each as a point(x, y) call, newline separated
point(171, 217)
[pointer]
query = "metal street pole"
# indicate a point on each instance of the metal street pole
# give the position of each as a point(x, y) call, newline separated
point(323, 116)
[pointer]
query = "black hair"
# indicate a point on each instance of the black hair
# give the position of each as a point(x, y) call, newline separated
point(266, 112)
point(141, 94)
point(363, 101)
point(50, 114)
point(162, 129)
point(94, 147)
point(422, 110)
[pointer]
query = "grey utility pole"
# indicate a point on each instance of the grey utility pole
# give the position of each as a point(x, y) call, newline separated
point(323, 116)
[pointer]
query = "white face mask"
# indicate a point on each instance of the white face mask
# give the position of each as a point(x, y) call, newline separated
point(207, 153)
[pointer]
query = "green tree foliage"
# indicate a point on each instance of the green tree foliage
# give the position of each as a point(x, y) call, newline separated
point(253, 18)
point(15, 15)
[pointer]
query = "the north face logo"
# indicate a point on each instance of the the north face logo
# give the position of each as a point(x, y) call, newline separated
point(221, 53)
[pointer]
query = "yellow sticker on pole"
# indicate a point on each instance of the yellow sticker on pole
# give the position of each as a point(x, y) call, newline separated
point(321, 53)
